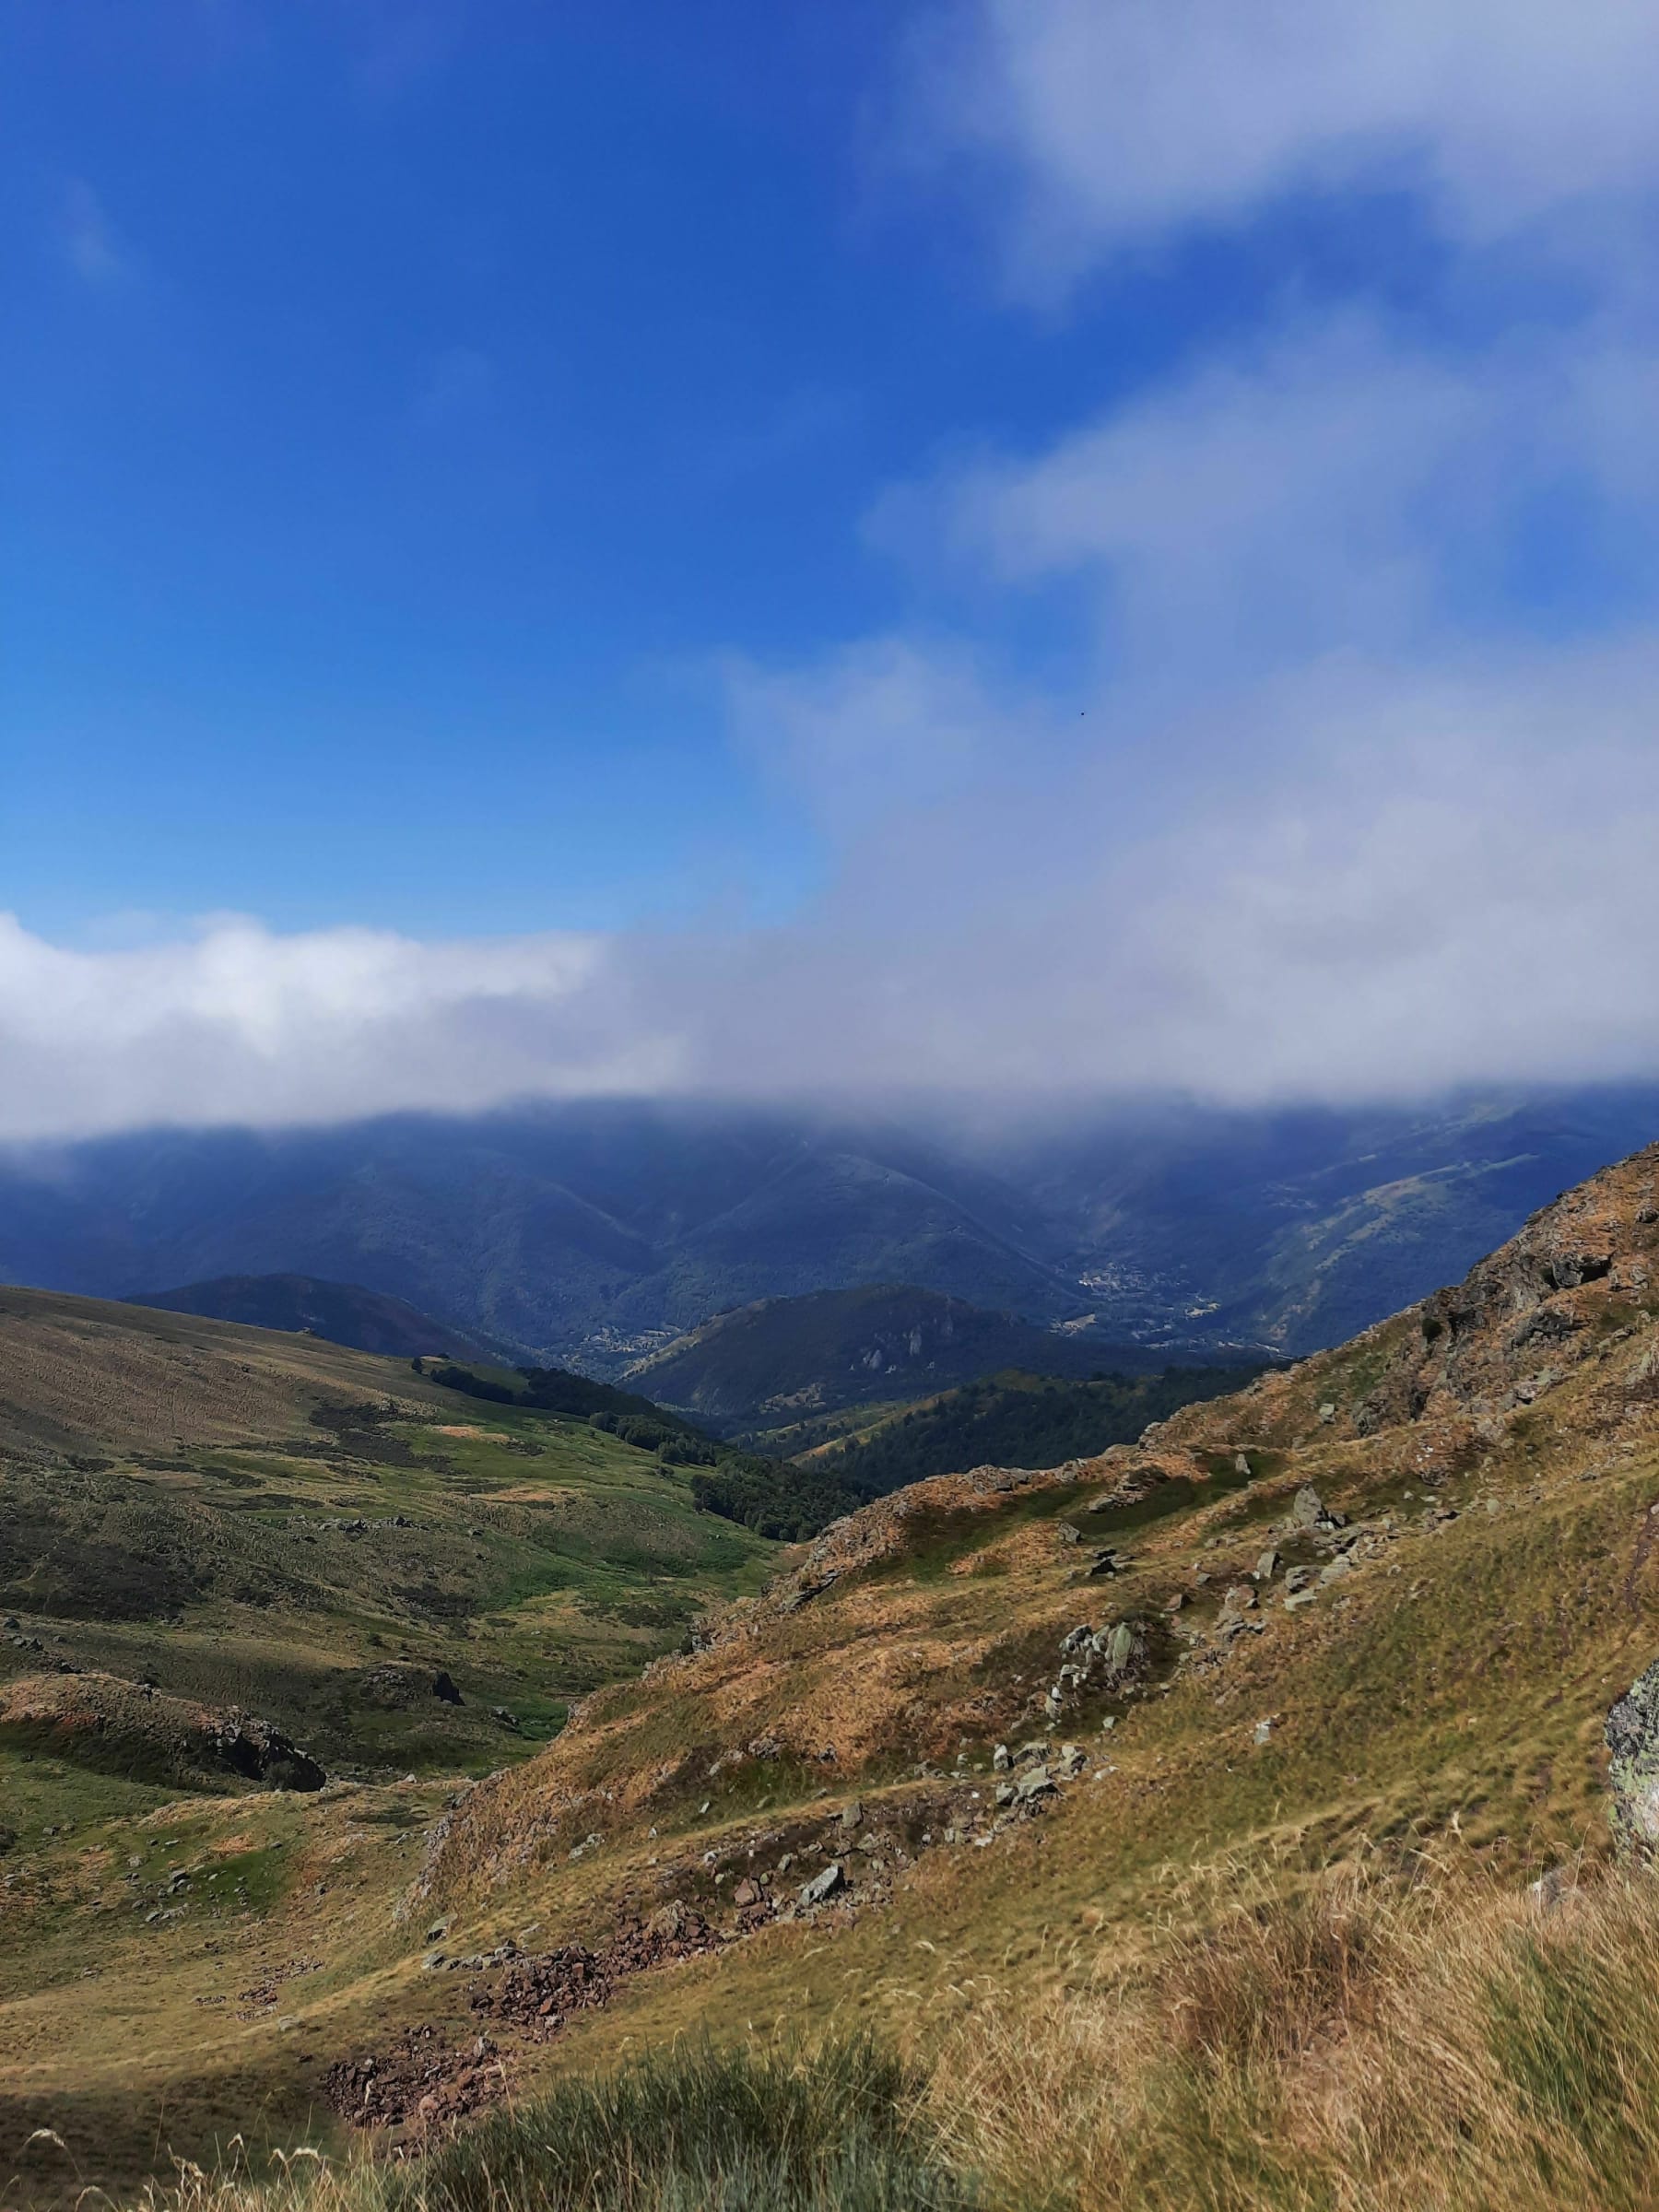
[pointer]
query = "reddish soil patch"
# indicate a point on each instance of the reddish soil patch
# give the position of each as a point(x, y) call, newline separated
point(538, 1996)
point(419, 2083)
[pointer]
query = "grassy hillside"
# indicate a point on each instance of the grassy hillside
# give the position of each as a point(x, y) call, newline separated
point(242, 1518)
point(1171, 1816)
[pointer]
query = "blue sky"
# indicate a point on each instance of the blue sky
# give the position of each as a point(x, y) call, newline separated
point(409, 407)
point(830, 507)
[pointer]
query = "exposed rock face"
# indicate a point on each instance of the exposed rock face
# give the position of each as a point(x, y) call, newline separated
point(105, 1722)
point(1632, 1734)
point(261, 1753)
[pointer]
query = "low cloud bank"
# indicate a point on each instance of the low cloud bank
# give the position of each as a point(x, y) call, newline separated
point(1463, 893)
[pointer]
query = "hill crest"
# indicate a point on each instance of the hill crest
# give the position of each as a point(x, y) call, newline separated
point(367, 1321)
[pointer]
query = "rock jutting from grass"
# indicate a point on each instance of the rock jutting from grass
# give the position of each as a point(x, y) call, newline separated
point(1632, 1733)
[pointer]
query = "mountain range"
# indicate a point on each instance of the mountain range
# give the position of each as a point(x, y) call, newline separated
point(592, 1234)
point(786, 1360)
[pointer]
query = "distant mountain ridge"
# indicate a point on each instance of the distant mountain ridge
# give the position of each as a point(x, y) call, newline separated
point(789, 1358)
point(368, 1321)
point(590, 1234)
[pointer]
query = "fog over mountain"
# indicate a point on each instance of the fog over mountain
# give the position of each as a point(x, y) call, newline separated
point(593, 1231)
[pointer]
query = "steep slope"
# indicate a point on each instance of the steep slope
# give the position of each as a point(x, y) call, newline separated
point(344, 1312)
point(790, 1357)
point(1375, 1603)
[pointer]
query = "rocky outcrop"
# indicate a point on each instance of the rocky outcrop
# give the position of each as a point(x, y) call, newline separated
point(1632, 1733)
point(261, 1753)
point(131, 1728)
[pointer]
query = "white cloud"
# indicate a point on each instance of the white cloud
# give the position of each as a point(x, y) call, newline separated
point(1122, 122)
point(235, 1024)
point(1372, 883)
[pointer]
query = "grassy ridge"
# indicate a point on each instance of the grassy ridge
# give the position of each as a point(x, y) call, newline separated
point(764, 1494)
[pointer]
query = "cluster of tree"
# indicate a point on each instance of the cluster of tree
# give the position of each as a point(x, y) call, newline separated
point(767, 1495)
point(669, 1437)
point(1020, 1420)
point(551, 1390)
point(773, 1497)
point(451, 1377)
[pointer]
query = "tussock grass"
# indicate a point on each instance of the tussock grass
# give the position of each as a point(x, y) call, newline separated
point(1364, 2047)
point(1369, 2045)
point(843, 2129)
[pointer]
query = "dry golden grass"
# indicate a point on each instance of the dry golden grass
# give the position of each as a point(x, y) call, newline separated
point(83, 1374)
point(1364, 2047)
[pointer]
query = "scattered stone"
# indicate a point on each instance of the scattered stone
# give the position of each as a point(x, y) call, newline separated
point(1111, 1563)
point(852, 1815)
point(1262, 1732)
point(420, 2083)
point(1327, 1413)
point(1001, 1759)
point(1035, 1783)
point(1266, 1567)
point(822, 1886)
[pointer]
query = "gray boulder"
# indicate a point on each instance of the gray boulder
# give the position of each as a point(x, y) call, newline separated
point(822, 1886)
point(1632, 1733)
